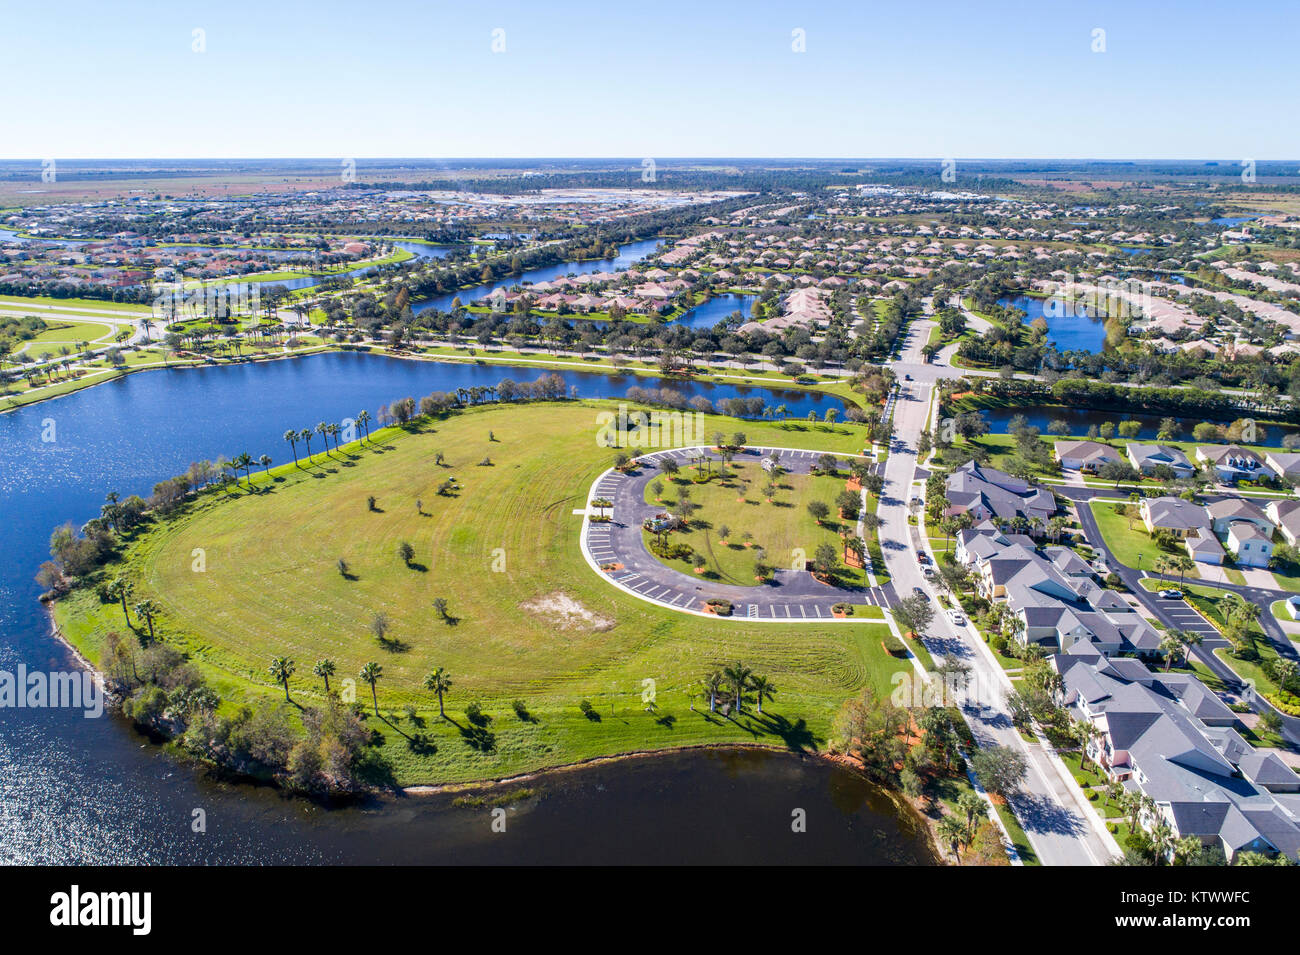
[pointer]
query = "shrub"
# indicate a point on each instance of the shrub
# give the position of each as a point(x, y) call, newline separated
point(846, 609)
point(720, 607)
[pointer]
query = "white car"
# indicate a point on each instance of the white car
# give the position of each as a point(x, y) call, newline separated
point(958, 620)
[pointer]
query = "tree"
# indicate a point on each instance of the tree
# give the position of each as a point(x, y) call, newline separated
point(324, 669)
point(825, 560)
point(951, 830)
point(819, 510)
point(120, 589)
point(440, 605)
point(439, 681)
point(406, 552)
point(281, 669)
point(370, 673)
point(291, 436)
point(146, 610)
point(380, 625)
point(972, 808)
point(712, 683)
point(914, 613)
point(999, 769)
point(738, 675)
point(763, 689)
point(1086, 732)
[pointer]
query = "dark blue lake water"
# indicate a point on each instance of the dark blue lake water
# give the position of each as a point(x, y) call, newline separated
point(1068, 330)
point(628, 255)
point(1080, 419)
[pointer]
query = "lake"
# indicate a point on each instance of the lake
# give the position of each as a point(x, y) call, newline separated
point(716, 309)
point(628, 255)
point(1080, 419)
point(1069, 327)
point(75, 790)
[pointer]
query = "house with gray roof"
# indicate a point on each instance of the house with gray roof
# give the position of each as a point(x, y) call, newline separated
point(1250, 546)
point(1167, 737)
point(1233, 463)
point(1286, 516)
point(1085, 455)
point(987, 493)
point(1232, 509)
point(1147, 457)
point(1173, 514)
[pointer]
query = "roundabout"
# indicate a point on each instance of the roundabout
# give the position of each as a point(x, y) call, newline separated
point(616, 549)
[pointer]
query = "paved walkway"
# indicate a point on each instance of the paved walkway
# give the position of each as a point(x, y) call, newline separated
point(792, 596)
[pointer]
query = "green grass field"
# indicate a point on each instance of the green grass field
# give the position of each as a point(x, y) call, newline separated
point(532, 621)
point(782, 527)
point(71, 334)
point(1132, 548)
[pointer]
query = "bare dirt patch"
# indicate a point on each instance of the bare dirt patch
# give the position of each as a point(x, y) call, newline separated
point(562, 611)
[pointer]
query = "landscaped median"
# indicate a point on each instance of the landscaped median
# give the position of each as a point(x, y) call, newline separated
point(494, 589)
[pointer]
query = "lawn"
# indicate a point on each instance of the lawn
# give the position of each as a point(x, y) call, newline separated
point(782, 529)
point(1132, 548)
point(531, 621)
point(71, 334)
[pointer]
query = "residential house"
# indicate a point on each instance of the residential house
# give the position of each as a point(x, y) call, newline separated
point(1085, 455)
point(1233, 463)
point(1286, 516)
point(1147, 457)
point(987, 493)
point(1203, 546)
point(1284, 464)
point(1249, 545)
point(1173, 514)
point(1232, 509)
point(1169, 738)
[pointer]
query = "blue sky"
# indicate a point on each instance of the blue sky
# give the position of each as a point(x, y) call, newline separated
point(928, 78)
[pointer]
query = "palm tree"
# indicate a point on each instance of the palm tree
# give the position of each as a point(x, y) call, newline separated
point(363, 419)
point(265, 461)
point(713, 682)
point(763, 689)
point(292, 437)
point(243, 463)
point(324, 669)
point(305, 435)
point(738, 675)
point(322, 429)
point(145, 610)
point(972, 807)
point(120, 589)
point(281, 669)
point(439, 681)
point(370, 673)
point(1085, 731)
point(333, 431)
point(1163, 842)
point(951, 831)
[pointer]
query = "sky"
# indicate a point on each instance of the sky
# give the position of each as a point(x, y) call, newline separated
point(620, 78)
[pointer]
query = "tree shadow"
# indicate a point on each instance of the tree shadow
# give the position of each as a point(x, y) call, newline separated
point(416, 565)
point(393, 645)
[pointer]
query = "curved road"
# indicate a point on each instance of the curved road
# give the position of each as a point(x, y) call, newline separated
point(793, 595)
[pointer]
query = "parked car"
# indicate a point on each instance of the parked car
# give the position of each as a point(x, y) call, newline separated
point(957, 618)
point(928, 571)
point(1172, 594)
point(921, 592)
point(922, 557)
